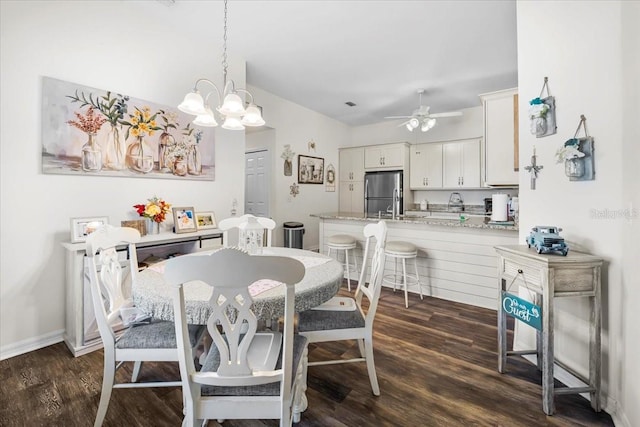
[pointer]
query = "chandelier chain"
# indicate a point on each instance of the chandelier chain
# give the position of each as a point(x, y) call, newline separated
point(224, 46)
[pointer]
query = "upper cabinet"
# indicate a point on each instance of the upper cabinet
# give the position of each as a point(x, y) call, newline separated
point(386, 157)
point(425, 166)
point(351, 164)
point(500, 137)
point(461, 164)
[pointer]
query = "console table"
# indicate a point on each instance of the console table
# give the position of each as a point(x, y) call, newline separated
point(549, 277)
point(79, 309)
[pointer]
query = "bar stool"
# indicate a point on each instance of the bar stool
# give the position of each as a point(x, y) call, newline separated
point(402, 251)
point(344, 242)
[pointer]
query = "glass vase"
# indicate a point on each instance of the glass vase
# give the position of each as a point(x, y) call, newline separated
point(180, 167)
point(139, 156)
point(91, 155)
point(574, 168)
point(115, 149)
point(164, 147)
point(194, 160)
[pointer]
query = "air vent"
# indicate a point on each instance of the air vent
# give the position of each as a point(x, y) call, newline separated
point(350, 104)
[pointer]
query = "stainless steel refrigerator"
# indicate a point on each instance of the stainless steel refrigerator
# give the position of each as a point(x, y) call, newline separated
point(383, 193)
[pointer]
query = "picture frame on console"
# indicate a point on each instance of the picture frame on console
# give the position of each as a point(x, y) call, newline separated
point(184, 220)
point(82, 227)
point(206, 220)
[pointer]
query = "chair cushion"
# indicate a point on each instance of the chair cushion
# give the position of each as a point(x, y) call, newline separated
point(400, 247)
point(324, 320)
point(342, 239)
point(271, 389)
point(157, 334)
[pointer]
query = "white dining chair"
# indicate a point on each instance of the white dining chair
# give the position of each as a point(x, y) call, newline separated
point(247, 374)
point(344, 318)
point(155, 341)
point(235, 222)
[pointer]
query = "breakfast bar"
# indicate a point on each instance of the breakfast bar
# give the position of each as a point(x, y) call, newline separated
point(456, 259)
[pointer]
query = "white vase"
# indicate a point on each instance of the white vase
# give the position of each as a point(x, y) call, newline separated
point(152, 226)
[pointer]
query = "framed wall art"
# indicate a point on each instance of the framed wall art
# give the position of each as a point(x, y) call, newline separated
point(95, 132)
point(82, 227)
point(206, 220)
point(184, 220)
point(310, 170)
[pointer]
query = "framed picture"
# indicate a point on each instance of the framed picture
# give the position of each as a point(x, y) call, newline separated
point(184, 220)
point(205, 220)
point(310, 170)
point(82, 227)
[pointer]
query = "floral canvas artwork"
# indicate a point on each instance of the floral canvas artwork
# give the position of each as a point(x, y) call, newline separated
point(94, 132)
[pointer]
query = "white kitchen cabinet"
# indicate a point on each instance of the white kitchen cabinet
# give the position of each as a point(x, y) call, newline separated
point(425, 166)
point(500, 137)
point(351, 164)
point(352, 196)
point(461, 164)
point(386, 157)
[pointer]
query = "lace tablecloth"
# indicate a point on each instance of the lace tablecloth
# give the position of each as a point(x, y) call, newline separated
point(322, 280)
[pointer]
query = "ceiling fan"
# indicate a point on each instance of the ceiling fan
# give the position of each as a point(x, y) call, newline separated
point(421, 117)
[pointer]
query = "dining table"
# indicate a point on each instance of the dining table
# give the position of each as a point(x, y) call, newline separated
point(322, 280)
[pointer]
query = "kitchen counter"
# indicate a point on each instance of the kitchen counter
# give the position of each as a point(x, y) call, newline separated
point(470, 222)
point(456, 260)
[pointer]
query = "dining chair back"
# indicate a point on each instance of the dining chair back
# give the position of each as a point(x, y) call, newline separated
point(154, 341)
point(247, 374)
point(345, 318)
point(235, 222)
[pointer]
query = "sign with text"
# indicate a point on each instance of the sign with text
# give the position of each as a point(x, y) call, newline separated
point(522, 310)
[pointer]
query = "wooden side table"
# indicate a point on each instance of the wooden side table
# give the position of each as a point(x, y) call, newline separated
point(549, 277)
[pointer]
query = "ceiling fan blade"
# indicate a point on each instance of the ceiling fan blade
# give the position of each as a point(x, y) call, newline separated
point(398, 117)
point(449, 114)
point(403, 123)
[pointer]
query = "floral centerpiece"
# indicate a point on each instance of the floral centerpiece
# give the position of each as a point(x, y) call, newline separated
point(156, 209)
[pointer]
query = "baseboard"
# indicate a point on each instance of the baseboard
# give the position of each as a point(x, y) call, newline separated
point(609, 405)
point(31, 344)
point(617, 414)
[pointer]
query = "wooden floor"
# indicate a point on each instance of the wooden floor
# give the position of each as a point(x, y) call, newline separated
point(436, 364)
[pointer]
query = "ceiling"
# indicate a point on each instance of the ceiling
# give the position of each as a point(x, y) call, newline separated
point(376, 54)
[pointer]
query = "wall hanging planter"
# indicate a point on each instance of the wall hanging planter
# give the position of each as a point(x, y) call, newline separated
point(577, 155)
point(542, 113)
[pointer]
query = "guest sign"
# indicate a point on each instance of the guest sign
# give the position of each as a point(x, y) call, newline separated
point(522, 310)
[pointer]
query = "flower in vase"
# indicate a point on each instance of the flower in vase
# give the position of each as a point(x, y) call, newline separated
point(112, 108)
point(155, 209)
point(569, 151)
point(89, 122)
point(141, 122)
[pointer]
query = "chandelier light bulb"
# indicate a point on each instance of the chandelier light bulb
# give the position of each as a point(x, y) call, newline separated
point(192, 104)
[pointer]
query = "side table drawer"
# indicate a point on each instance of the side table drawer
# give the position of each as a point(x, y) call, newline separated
point(575, 279)
point(532, 274)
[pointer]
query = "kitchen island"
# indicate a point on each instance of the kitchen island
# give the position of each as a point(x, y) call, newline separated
point(456, 259)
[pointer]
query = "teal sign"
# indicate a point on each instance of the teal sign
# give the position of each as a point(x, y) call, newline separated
point(522, 310)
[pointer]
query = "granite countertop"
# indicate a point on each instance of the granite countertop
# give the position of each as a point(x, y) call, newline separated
point(470, 222)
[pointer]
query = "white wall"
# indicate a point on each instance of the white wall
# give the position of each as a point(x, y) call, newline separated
point(120, 46)
point(296, 125)
point(581, 48)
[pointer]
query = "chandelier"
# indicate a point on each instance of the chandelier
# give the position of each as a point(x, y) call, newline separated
point(232, 111)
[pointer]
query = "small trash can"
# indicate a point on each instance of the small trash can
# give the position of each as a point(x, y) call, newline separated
point(293, 232)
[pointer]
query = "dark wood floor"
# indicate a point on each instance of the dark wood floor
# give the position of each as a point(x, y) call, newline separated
point(436, 364)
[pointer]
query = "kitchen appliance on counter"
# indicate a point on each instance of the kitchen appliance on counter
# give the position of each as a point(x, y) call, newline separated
point(488, 206)
point(383, 193)
point(456, 204)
